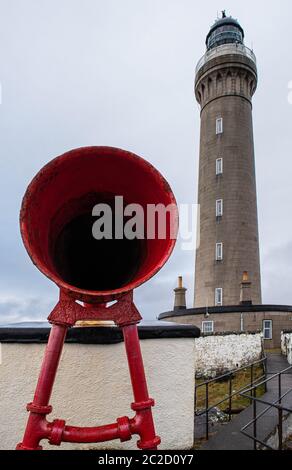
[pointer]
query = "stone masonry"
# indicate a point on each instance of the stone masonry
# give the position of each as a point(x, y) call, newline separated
point(224, 86)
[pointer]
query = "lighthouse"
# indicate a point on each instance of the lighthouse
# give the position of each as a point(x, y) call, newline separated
point(225, 82)
point(227, 275)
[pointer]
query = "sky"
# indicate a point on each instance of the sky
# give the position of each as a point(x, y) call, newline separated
point(121, 73)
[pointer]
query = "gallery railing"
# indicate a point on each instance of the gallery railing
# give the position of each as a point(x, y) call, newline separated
point(226, 49)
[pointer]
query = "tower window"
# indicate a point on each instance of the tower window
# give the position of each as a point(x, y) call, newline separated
point(219, 207)
point(219, 166)
point(207, 326)
point(219, 125)
point(218, 296)
point(219, 251)
point(268, 329)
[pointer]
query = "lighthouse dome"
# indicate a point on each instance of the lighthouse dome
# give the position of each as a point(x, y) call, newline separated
point(225, 30)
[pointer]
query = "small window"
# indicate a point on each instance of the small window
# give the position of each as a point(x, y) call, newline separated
point(219, 166)
point(219, 207)
point(218, 296)
point(208, 326)
point(268, 329)
point(219, 251)
point(219, 125)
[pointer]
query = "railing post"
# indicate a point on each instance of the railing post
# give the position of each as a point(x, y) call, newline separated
point(230, 395)
point(280, 428)
point(251, 379)
point(280, 413)
point(207, 411)
point(254, 425)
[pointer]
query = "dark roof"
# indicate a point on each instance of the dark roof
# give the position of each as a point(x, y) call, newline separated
point(226, 309)
point(38, 332)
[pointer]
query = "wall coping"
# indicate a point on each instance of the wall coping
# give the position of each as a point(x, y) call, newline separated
point(230, 333)
point(225, 309)
point(32, 332)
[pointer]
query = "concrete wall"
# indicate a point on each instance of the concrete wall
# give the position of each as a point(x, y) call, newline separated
point(273, 440)
point(216, 354)
point(93, 388)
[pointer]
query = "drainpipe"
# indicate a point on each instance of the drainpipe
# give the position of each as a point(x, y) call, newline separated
point(241, 322)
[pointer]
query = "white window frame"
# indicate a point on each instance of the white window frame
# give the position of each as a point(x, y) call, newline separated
point(219, 207)
point(219, 125)
point(218, 297)
point(219, 166)
point(268, 328)
point(205, 323)
point(219, 251)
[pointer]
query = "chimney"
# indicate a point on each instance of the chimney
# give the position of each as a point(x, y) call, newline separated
point(180, 295)
point(245, 290)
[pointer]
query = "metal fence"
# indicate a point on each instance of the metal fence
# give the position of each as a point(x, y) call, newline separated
point(229, 376)
point(276, 404)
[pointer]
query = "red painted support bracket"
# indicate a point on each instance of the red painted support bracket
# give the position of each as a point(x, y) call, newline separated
point(64, 315)
point(67, 312)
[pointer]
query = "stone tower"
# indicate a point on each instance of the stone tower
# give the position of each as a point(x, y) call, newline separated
point(226, 79)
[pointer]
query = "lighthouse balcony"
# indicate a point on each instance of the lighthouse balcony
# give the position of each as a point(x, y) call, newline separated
point(225, 49)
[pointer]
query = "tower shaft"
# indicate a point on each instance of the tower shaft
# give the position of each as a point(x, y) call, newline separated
point(225, 82)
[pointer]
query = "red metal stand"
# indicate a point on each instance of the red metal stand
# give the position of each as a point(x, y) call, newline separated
point(65, 315)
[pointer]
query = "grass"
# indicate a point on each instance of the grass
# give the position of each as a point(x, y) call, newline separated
point(220, 389)
point(273, 350)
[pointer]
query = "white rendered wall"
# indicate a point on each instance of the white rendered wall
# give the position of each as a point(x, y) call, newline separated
point(93, 388)
point(216, 354)
point(286, 345)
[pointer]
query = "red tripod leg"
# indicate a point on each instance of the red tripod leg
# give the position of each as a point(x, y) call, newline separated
point(36, 428)
point(144, 425)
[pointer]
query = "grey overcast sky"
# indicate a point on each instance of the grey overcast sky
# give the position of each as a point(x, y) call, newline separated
point(121, 73)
